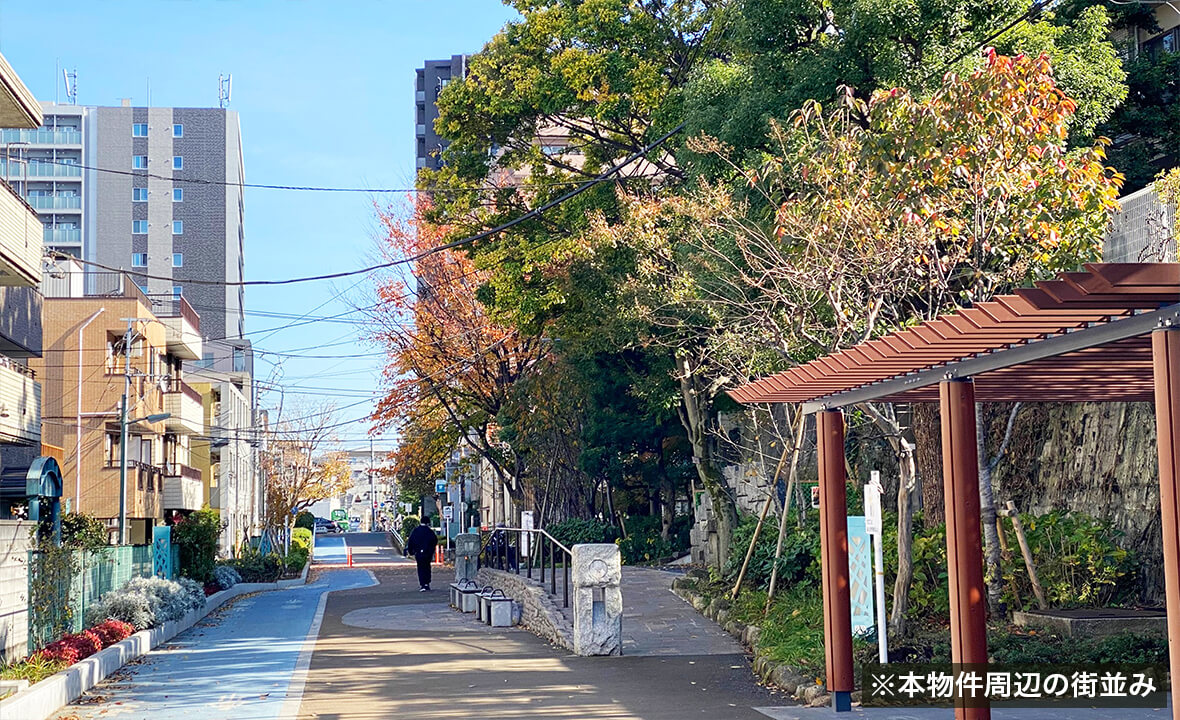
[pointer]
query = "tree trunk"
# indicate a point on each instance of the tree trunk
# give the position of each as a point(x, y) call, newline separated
point(987, 514)
point(885, 417)
point(695, 408)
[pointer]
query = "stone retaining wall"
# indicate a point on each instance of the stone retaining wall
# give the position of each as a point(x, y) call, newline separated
point(539, 612)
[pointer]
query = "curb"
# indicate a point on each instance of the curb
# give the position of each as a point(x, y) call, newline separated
point(790, 680)
point(45, 698)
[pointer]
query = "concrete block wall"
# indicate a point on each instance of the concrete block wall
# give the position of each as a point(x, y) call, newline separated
point(14, 589)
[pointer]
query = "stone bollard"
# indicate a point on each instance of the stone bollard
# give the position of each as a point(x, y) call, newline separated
point(466, 554)
point(598, 600)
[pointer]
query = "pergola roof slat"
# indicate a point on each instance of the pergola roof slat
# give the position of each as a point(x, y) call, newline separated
point(1046, 342)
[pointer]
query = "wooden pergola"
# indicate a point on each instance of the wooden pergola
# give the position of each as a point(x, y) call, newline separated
point(1109, 334)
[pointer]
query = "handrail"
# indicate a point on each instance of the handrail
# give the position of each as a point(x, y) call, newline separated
point(537, 530)
point(508, 556)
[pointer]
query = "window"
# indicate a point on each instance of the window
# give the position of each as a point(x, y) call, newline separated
point(139, 227)
point(145, 451)
point(139, 162)
point(139, 130)
point(178, 130)
point(139, 194)
point(177, 162)
point(112, 449)
point(177, 194)
point(138, 259)
point(177, 259)
point(177, 227)
point(1169, 42)
point(177, 290)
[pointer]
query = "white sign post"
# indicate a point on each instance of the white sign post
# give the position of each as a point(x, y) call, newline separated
point(526, 538)
point(448, 516)
point(873, 525)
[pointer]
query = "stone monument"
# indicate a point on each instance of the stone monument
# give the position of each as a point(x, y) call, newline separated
point(466, 555)
point(597, 574)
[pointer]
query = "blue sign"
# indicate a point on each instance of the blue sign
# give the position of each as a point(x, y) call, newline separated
point(860, 575)
point(440, 486)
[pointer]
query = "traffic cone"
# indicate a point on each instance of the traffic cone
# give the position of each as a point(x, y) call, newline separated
point(438, 554)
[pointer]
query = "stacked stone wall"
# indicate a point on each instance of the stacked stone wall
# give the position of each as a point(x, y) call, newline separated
point(539, 611)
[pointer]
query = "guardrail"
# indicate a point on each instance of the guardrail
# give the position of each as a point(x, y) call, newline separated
point(503, 548)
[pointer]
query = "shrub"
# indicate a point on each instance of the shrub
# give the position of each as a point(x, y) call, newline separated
point(253, 566)
point(144, 602)
point(72, 648)
point(34, 668)
point(798, 563)
point(301, 538)
point(83, 532)
point(305, 521)
point(295, 559)
point(409, 522)
point(132, 608)
point(574, 531)
point(226, 577)
point(1077, 558)
point(197, 537)
point(112, 631)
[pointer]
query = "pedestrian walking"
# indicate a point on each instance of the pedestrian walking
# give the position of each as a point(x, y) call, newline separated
point(421, 544)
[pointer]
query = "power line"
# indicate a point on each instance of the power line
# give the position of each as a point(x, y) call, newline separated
point(312, 188)
point(535, 212)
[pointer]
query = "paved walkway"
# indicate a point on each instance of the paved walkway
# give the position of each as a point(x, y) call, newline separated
point(242, 661)
point(344, 648)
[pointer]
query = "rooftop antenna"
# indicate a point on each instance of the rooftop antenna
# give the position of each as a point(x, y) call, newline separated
point(225, 86)
point(70, 78)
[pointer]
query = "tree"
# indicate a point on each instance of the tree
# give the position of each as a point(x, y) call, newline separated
point(301, 467)
point(901, 208)
point(450, 367)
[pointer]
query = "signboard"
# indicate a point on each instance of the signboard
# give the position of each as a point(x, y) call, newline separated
point(860, 575)
point(448, 512)
point(526, 538)
point(440, 486)
point(815, 496)
point(339, 514)
point(873, 504)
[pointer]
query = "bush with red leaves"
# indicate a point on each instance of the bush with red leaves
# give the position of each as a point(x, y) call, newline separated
point(112, 631)
point(72, 648)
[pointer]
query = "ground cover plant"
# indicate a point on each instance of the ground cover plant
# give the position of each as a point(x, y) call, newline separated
point(147, 602)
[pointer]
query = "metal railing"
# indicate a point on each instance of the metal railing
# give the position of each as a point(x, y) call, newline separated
point(503, 549)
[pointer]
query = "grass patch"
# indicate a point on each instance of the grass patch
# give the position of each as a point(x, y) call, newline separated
point(34, 669)
point(793, 631)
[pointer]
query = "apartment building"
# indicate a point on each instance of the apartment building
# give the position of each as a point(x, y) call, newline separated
point(103, 336)
point(227, 457)
point(432, 77)
point(155, 191)
point(20, 300)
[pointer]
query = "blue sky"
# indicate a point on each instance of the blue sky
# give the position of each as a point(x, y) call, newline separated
point(325, 91)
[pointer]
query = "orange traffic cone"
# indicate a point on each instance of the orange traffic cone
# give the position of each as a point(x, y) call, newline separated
point(438, 554)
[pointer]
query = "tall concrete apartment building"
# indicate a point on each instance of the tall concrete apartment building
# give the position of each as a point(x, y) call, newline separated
point(431, 79)
point(155, 191)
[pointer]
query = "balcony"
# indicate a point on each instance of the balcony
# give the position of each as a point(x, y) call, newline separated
point(20, 403)
point(184, 404)
point(35, 169)
point(183, 489)
point(420, 130)
point(20, 241)
point(182, 323)
point(61, 236)
point(43, 137)
point(55, 202)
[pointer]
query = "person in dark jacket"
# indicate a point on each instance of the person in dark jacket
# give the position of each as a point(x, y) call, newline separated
point(421, 544)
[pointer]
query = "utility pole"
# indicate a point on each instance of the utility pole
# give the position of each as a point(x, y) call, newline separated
point(123, 434)
point(372, 493)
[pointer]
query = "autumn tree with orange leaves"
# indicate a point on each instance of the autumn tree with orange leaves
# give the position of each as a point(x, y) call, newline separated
point(450, 367)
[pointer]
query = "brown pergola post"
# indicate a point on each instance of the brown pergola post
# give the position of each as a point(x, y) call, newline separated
point(1165, 351)
point(964, 549)
point(833, 533)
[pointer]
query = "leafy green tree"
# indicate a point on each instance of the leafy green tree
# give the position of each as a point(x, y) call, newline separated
point(197, 537)
point(82, 531)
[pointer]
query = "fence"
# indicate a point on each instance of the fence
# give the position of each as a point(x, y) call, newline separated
point(97, 574)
